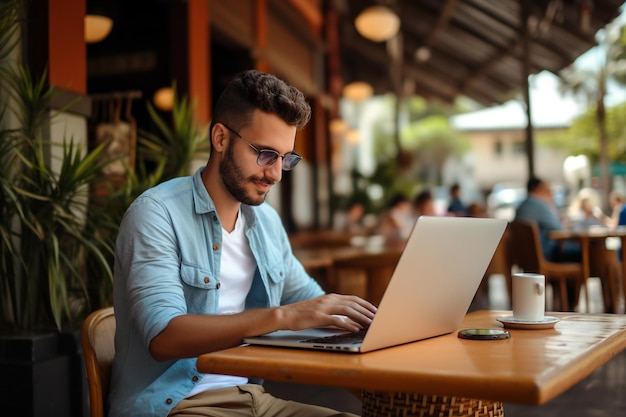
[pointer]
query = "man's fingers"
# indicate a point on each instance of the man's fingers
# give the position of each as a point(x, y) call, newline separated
point(346, 323)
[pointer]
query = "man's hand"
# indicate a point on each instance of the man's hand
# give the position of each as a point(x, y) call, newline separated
point(347, 312)
point(190, 335)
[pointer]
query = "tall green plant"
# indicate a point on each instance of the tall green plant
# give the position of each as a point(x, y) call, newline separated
point(592, 83)
point(177, 142)
point(47, 234)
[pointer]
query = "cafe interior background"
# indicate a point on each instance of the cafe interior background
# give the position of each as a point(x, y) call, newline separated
point(393, 112)
point(444, 97)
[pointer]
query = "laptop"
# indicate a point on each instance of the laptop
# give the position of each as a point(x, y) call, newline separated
point(430, 291)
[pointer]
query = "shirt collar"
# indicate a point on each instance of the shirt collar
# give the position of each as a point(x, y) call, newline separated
point(203, 203)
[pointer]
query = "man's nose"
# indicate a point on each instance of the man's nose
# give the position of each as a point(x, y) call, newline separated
point(275, 171)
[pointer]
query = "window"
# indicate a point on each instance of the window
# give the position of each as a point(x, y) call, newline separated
point(498, 148)
point(519, 147)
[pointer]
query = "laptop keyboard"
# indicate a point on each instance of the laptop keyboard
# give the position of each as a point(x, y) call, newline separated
point(339, 339)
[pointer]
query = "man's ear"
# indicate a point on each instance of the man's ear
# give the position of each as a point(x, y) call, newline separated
point(219, 137)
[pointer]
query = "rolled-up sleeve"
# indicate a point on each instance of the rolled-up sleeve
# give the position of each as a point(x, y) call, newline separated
point(153, 285)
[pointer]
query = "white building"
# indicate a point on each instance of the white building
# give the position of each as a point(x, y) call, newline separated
point(497, 136)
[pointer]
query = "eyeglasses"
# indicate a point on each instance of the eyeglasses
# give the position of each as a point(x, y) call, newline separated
point(267, 157)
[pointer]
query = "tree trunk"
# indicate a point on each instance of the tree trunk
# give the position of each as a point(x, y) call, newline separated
point(605, 172)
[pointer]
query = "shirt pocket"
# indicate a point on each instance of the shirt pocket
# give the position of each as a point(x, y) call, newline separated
point(276, 273)
point(200, 287)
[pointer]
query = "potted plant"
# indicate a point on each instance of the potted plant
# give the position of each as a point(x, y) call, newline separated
point(49, 240)
point(56, 243)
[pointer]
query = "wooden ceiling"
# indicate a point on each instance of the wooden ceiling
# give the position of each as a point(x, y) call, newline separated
point(477, 47)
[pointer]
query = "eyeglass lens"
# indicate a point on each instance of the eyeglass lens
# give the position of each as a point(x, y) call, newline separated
point(268, 157)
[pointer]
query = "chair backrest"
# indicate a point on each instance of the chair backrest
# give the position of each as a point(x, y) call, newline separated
point(525, 246)
point(501, 261)
point(97, 339)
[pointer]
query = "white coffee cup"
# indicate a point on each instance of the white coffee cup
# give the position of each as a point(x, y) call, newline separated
point(529, 296)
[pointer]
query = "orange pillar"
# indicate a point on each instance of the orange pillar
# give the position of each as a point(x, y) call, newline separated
point(67, 52)
point(199, 70)
point(260, 30)
point(56, 43)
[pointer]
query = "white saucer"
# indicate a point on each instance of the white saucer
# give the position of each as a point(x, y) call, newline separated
point(511, 322)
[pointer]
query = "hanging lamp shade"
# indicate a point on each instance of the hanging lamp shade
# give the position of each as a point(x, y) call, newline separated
point(97, 27)
point(337, 126)
point(357, 91)
point(377, 23)
point(353, 136)
point(164, 98)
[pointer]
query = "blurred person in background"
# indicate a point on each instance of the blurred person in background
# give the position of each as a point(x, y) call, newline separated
point(397, 221)
point(616, 200)
point(539, 207)
point(589, 214)
point(621, 220)
point(352, 220)
point(476, 210)
point(456, 206)
point(424, 204)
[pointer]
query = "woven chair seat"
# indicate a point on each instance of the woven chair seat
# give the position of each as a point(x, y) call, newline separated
point(399, 404)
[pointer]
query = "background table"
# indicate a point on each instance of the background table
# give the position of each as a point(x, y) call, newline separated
point(532, 367)
point(585, 236)
point(358, 270)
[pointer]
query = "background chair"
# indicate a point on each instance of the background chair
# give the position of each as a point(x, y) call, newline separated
point(604, 264)
point(99, 349)
point(500, 264)
point(525, 252)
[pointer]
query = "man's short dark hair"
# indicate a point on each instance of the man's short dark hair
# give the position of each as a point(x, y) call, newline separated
point(254, 90)
point(532, 184)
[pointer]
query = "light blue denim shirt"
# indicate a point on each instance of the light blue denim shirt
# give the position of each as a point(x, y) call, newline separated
point(167, 264)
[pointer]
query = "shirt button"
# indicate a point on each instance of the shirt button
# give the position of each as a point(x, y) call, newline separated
point(195, 378)
point(280, 273)
point(214, 218)
point(206, 280)
point(219, 284)
point(216, 246)
point(169, 401)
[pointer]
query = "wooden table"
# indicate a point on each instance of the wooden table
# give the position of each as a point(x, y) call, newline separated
point(585, 236)
point(532, 367)
point(325, 256)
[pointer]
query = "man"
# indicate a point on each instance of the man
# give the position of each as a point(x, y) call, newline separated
point(539, 207)
point(202, 262)
point(456, 206)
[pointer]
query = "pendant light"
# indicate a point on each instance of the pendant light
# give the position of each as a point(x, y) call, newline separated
point(377, 23)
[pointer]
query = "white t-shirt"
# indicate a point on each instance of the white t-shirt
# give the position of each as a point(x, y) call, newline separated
point(237, 267)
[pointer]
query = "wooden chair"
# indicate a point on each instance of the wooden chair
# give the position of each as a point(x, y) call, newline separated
point(525, 252)
point(604, 264)
point(500, 264)
point(365, 275)
point(98, 348)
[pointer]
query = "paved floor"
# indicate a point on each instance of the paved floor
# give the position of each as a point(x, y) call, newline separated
point(599, 395)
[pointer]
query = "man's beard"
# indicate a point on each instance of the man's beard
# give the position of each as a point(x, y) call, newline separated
point(235, 182)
